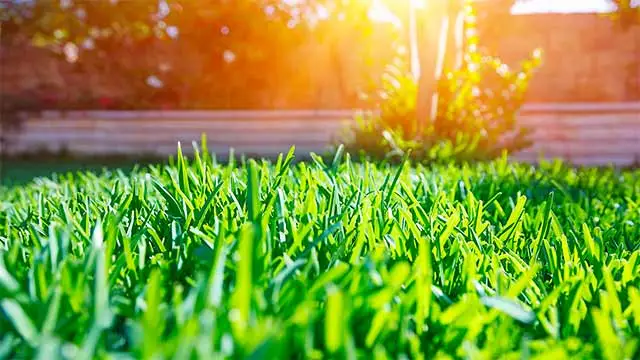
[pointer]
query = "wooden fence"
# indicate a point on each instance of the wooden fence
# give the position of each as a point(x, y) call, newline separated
point(582, 133)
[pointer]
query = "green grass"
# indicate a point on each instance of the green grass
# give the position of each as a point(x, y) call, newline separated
point(322, 260)
point(21, 171)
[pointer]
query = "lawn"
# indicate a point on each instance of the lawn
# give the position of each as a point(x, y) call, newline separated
point(20, 171)
point(316, 259)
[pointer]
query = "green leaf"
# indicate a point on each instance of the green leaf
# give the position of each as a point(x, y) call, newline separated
point(20, 321)
point(610, 345)
point(512, 308)
point(153, 323)
point(242, 295)
point(253, 190)
point(334, 321)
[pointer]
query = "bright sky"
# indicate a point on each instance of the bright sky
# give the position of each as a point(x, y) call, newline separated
point(560, 6)
point(380, 13)
point(564, 6)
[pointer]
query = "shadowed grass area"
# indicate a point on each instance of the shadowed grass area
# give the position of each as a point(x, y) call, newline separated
point(19, 171)
point(323, 259)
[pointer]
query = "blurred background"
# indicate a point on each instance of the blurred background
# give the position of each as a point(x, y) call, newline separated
point(88, 84)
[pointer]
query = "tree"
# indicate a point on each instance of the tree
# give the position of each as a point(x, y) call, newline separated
point(441, 38)
point(627, 14)
point(193, 46)
point(141, 38)
point(254, 34)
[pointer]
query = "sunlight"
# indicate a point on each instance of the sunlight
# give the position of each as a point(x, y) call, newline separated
point(381, 13)
point(418, 4)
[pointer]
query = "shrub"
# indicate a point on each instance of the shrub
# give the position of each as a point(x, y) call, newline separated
point(476, 115)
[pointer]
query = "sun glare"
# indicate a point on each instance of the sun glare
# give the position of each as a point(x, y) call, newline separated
point(380, 12)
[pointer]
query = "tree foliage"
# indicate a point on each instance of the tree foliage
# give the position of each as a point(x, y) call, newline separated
point(627, 14)
point(195, 46)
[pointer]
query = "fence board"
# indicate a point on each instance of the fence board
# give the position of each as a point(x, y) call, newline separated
point(228, 138)
point(585, 134)
point(584, 121)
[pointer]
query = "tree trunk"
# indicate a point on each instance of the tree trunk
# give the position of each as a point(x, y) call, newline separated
point(440, 37)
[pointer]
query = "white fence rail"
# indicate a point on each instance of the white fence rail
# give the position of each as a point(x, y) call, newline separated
point(584, 134)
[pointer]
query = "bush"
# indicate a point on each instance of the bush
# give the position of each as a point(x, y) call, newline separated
point(476, 115)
